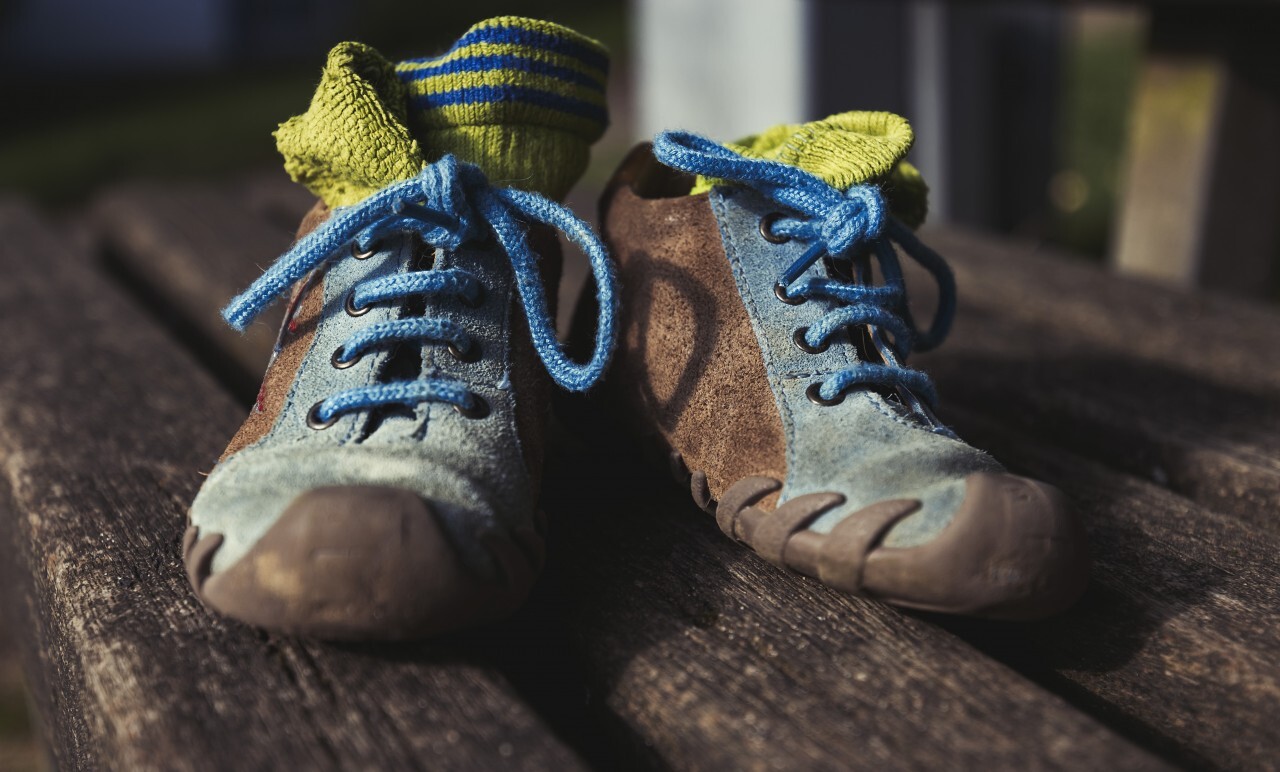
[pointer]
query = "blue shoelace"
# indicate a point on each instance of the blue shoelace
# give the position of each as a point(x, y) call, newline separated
point(850, 226)
point(449, 203)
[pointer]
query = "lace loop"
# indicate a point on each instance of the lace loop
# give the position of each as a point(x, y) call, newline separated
point(851, 227)
point(446, 281)
point(447, 204)
point(399, 330)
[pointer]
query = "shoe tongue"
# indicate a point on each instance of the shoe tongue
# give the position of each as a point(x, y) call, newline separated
point(521, 99)
point(844, 150)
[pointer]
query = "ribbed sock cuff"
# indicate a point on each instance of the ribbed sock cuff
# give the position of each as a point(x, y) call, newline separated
point(523, 99)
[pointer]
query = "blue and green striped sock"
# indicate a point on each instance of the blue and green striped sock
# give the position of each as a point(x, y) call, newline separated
point(523, 99)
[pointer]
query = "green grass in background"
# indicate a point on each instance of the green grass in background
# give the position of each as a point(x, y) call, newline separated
point(1102, 53)
point(202, 128)
point(83, 135)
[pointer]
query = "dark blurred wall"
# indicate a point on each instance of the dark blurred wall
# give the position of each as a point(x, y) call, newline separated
point(123, 36)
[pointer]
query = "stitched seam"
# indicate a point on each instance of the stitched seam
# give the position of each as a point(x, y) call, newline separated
point(780, 397)
point(291, 400)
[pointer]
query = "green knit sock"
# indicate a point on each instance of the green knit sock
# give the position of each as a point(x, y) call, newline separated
point(845, 150)
point(522, 99)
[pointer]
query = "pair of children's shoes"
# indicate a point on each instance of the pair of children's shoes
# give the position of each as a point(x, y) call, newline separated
point(385, 484)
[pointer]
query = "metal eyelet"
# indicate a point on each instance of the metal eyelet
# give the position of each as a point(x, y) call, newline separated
point(313, 417)
point(479, 408)
point(341, 364)
point(780, 292)
point(766, 228)
point(469, 354)
point(357, 254)
point(351, 308)
point(816, 398)
point(798, 338)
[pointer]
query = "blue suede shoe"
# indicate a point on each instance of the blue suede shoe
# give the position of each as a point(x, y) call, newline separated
point(759, 348)
point(392, 492)
point(385, 485)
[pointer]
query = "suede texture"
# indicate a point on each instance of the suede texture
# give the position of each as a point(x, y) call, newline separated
point(864, 448)
point(295, 337)
point(687, 365)
point(472, 472)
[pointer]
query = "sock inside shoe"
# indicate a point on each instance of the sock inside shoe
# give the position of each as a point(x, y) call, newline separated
point(522, 99)
point(843, 150)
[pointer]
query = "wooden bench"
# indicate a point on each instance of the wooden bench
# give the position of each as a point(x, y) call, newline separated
point(652, 641)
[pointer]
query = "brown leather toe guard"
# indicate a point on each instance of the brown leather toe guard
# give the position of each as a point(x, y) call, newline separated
point(1013, 549)
point(362, 563)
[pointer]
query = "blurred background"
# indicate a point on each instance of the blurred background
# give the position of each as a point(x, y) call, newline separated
point(1138, 135)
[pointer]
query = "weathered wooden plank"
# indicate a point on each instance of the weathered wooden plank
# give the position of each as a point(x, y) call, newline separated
point(270, 194)
point(1176, 639)
point(1220, 339)
point(1178, 389)
point(710, 658)
point(716, 659)
point(104, 425)
point(141, 225)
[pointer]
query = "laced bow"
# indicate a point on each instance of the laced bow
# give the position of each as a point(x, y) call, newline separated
point(449, 204)
point(846, 226)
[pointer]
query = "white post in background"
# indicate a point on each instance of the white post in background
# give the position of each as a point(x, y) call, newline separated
point(724, 68)
point(927, 99)
point(727, 68)
point(977, 81)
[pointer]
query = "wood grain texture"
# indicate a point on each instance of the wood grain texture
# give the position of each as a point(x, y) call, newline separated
point(1175, 641)
point(104, 426)
point(226, 237)
point(1178, 389)
point(1091, 382)
point(702, 656)
point(715, 659)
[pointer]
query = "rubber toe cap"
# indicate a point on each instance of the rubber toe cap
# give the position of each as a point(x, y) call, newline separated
point(362, 563)
point(1015, 549)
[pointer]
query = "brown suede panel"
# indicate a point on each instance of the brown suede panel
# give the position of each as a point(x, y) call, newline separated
point(300, 328)
point(688, 364)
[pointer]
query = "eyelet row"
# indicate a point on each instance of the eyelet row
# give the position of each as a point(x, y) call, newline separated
point(766, 232)
point(813, 392)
